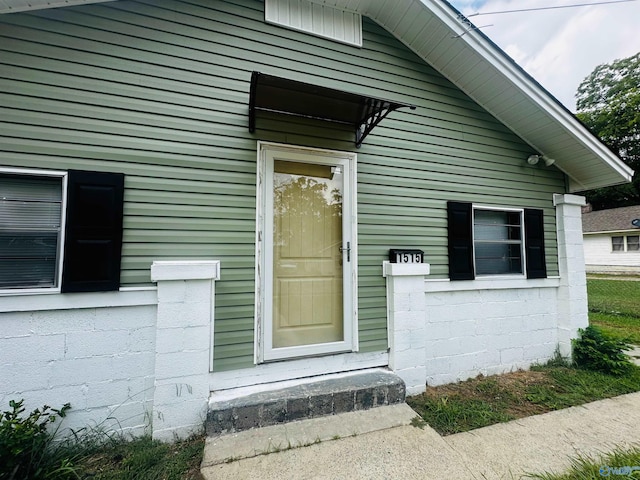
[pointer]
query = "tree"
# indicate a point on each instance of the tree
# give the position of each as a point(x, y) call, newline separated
point(608, 103)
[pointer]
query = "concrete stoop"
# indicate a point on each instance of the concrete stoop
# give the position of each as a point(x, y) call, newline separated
point(232, 412)
point(224, 449)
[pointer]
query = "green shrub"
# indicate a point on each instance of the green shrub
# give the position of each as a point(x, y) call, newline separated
point(27, 448)
point(595, 350)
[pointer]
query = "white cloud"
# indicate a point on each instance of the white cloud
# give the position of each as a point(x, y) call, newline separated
point(559, 47)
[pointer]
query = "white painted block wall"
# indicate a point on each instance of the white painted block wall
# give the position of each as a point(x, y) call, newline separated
point(488, 332)
point(101, 360)
point(442, 332)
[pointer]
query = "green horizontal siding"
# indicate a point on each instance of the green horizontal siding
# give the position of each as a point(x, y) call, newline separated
point(158, 90)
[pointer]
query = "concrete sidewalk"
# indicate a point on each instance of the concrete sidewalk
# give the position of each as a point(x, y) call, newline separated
point(396, 450)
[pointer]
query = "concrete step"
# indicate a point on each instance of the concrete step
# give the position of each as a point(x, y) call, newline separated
point(244, 409)
point(278, 438)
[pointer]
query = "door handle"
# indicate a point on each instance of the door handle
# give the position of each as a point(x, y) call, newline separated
point(348, 250)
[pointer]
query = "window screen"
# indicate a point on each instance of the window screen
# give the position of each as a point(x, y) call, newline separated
point(30, 226)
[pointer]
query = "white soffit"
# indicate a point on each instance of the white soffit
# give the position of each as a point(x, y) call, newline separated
point(13, 6)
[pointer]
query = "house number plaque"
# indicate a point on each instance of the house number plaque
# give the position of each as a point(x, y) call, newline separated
point(397, 255)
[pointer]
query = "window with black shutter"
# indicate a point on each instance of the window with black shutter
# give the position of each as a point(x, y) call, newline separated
point(488, 241)
point(32, 220)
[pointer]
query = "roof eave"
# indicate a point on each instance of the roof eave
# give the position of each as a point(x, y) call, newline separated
point(607, 232)
point(16, 6)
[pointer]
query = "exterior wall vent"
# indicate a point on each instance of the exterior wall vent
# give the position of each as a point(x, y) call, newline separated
point(316, 19)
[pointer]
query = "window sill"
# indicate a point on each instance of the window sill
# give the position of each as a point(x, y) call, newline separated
point(50, 300)
point(502, 283)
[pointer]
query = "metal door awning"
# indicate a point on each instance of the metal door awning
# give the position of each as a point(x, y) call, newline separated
point(282, 95)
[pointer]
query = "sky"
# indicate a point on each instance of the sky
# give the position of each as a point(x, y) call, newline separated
point(559, 47)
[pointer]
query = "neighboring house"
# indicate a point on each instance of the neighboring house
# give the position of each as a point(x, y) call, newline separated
point(611, 241)
point(175, 223)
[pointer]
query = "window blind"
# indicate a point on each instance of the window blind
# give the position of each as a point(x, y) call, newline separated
point(30, 226)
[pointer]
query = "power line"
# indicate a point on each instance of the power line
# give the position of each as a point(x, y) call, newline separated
point(536, 9)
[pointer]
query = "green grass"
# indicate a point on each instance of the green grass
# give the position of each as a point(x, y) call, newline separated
point(614, 306)
point(484, 401)
point(617, 325)
point(614, 296)
point(454, 414)
point(142, 459)
point(617, 464)
point(572, 386)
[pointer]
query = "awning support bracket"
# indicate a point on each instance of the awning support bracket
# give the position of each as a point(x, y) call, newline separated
point(378, 111)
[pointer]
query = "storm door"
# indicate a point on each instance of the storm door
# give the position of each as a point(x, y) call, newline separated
point(308, 253)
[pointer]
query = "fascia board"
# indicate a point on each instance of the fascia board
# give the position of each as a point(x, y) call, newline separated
point(13, 6)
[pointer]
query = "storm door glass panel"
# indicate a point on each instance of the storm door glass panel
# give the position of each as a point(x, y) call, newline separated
point(497, 242)
point(307, 262)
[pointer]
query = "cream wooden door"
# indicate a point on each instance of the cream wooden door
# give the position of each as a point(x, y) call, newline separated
point(309, 255)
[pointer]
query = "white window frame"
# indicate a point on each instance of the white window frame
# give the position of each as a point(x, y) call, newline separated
point(624, 244)
point(60, 253)
point(263, 351)
point(523, 250)
point(626, 241)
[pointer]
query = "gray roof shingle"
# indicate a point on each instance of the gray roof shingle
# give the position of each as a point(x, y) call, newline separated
point(612, 220)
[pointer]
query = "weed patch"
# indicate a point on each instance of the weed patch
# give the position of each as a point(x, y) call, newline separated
point(597, 351)
point(144, 458)
point(27, 444)
point(483, 401)
point(618, 464)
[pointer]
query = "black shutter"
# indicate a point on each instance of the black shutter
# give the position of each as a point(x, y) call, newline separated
point(93, 234)
point(534, 243)
point(460, 226)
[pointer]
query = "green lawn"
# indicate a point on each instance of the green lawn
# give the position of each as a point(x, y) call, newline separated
point(614, 306)
point(614, 296)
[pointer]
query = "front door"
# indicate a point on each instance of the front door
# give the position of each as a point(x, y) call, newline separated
point(307, 252)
